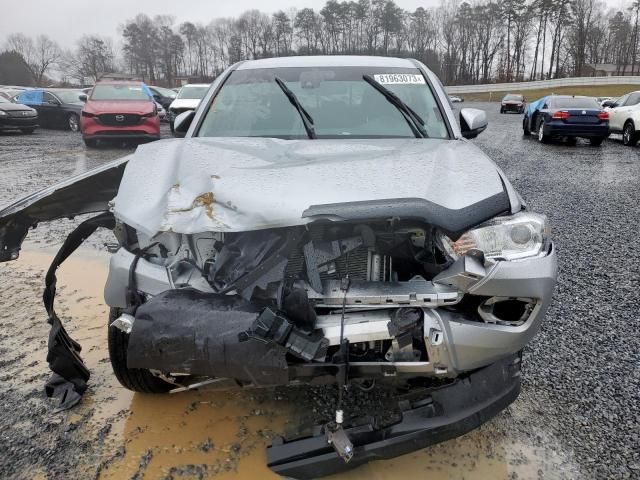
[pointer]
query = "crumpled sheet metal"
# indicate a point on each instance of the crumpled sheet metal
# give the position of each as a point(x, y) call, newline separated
point(232, 184)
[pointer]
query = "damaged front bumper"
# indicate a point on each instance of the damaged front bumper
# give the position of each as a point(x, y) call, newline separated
point(454, 342)
point(436, 416)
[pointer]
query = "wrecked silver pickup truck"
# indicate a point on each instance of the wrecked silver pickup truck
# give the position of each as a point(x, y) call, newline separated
point(323, 221)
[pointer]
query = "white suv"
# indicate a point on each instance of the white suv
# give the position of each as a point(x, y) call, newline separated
point(624, 118)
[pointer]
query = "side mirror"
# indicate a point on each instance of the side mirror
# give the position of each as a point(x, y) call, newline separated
point(55, 103)
point(472, 122)
point(83, 97)
point(182, 123)
point(609, 104)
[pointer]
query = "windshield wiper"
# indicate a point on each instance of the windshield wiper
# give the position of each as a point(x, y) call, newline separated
point(414, 120)
point(304, 115)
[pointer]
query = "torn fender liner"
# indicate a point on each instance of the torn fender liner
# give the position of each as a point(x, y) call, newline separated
point(70, 375)
point(444, 413)
point(89, 192)
point(187, 331)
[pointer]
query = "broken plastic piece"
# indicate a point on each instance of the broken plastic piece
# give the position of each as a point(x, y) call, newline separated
point(123, 323)
point(270, 326)
point(338, 438)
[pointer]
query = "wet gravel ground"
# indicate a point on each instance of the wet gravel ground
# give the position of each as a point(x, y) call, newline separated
point(581, 378)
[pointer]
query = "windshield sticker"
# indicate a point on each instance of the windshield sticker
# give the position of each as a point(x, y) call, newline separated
point(399, 79)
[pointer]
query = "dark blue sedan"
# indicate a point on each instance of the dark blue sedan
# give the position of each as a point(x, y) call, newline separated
point(565, 116)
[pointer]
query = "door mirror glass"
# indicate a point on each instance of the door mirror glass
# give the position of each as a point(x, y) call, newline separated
point(182, 123)
point(83, 97)
point(472, 122)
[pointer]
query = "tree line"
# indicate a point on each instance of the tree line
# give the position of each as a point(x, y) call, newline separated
point(462, 42)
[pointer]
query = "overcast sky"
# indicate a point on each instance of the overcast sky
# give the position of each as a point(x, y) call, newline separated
point(66, 20)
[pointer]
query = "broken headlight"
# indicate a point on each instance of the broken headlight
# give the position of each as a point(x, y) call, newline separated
point(522, 235)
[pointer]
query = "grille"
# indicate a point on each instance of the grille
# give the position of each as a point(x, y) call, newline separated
point(119, 119)
point(22, 114)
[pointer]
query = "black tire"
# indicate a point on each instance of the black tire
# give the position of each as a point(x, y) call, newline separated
point(27, 131)
point(596, 141)
point(73, 122)
point(572, 141)
point(542, 138)
point(525, 126)
point(171, 126)
point(90, 142)
point(629, 134)
point(501, 110)
point(136, 379)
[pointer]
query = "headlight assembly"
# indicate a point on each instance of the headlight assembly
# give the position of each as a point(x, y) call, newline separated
point(523, 235)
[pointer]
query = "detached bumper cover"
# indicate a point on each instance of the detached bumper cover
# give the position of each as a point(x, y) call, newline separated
point(443, 414)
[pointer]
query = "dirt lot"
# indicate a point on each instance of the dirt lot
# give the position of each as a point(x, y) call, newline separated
point(578, 415)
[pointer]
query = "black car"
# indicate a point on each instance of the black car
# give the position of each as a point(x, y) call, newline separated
point(512, 102)
point(57, 108)
point(163, 96)
point(564, 116)
point(15, 116)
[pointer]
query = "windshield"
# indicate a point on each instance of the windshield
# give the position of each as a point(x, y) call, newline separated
point(575, 102)
point(119, 92)
point(513, 97)
point(338, 99)
point(193, 93)
point(68, 96)
point(3, 100)
point(165, 92)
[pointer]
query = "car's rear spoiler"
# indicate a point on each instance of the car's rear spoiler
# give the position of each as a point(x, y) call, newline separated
point(89, 192)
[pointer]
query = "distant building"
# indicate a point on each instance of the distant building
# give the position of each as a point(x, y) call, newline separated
point(608, 70)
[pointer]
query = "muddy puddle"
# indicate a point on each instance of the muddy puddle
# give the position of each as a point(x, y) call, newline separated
point(212, 434)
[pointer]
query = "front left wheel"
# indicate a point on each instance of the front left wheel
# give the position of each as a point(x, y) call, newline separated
point(629, 135)
point(596, 141)
point(73, 122)
point(136, 379)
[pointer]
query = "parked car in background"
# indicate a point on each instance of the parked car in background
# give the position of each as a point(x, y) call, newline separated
point(15, 116)
point(10, 91)
point(455, 99)
point(162, 113)
point(119, 110)
point(188, 98)
point(163, 96)
point(624, 117)
point(565, 116)
point(57, 108)
point(512, 102)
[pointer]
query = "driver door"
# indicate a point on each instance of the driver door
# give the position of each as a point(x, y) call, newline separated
point(49, 109)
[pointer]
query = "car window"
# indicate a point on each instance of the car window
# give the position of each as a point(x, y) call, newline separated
point(621, 101)
point(575, 102)
point(634, 99)
point(120, 92)
point(192, 93)
point(49, 98)
point(69, 96)
point(340, 101)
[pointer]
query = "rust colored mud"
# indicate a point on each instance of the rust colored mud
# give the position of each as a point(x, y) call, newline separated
point(221, 434)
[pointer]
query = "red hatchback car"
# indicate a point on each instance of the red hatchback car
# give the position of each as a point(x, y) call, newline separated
point(119, 110)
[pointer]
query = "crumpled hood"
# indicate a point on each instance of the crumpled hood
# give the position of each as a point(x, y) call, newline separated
point(239, 184)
